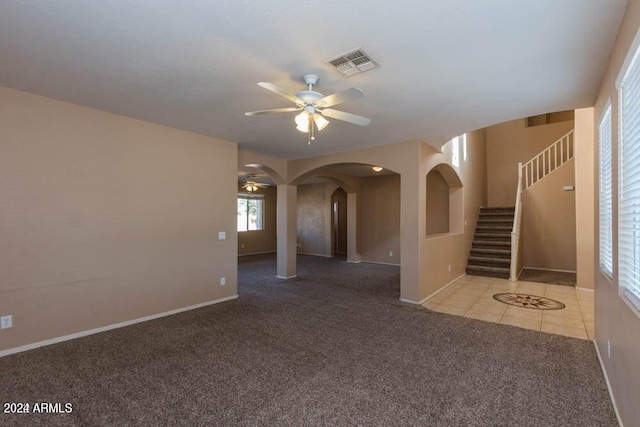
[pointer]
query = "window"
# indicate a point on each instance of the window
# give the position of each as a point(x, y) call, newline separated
point(606, 196)
point(455, 149)
point(629, 184)
point(250, 212)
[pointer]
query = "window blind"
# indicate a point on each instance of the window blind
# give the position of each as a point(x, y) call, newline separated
point(629, 183)
point(606, 198)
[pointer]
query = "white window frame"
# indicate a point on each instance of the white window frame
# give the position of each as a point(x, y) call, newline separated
point(605, 192)
point(628, 85)
point(260, 222)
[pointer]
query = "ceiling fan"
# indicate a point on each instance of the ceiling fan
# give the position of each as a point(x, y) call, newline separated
point(313, 106)
point(251, 185)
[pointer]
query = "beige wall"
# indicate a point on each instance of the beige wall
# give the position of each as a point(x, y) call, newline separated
point(107, 219)
point(586, 188)
point(509, 143)
point(380, 217)
point(616, 323)
point(437, 204)
point(444, 257)
point(549, 222)
point(261, 241)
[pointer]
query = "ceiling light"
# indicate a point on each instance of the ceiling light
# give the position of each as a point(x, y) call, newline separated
point(250, 186)
point(321, 122)
point(376, 168)
point(302, 122)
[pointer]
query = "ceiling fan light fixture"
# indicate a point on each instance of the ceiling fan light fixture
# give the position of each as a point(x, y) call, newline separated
point(376, 168)
point(321, 122)
point(302, 122)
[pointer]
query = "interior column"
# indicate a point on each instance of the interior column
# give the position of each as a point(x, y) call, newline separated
point(287, 229)
point(353, 252)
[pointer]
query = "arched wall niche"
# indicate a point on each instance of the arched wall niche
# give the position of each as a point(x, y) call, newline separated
point(444, 201)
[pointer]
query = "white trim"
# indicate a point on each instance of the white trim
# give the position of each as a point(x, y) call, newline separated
point(425, 299)
point(257, 253)
point(311, 254)
point(549, 269)
point(606, 378)
point(354, 262)
point(286, 277)
point(585, 289)
point(631, 53)
point(110, 327)
point(381, 263)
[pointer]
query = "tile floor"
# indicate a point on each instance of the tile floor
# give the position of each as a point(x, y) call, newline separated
point(472, 296)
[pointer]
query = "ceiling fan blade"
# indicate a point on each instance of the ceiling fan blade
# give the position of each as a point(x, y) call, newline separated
point(346, 117)
point(275, 110)
point(340, 97)
point(275, 89)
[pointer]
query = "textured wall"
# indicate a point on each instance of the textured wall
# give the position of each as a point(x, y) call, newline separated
point(107, 219)
point(313, 227)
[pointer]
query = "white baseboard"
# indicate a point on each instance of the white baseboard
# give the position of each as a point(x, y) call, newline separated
point(585, 289)
point(257, 253)
point(322, 255)
point(548, 269)
point(425, 299)
point(606, 378)
point(381, 263)
point(110, 327)
point(354, 262)
point(286, 277)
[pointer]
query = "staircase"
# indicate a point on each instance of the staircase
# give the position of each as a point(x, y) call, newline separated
point(491, 249)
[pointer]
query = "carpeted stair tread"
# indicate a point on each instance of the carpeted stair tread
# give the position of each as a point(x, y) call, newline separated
point(475, 260)
point(492, 243)
point(479, 251)
point(493, 228)
point(490, 253)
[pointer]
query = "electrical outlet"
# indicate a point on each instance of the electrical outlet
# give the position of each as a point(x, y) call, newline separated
point(6, 322)
point(223, 281)
point(241, 246)
point(608, 349)
point(390, 253)
point(222, 235)
point(449, 267)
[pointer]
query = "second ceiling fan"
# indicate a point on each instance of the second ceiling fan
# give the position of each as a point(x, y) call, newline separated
point(313, 106)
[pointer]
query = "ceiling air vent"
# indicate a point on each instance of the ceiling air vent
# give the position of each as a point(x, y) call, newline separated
point(353, 62)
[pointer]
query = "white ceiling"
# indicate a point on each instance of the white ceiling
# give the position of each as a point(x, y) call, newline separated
point(447, 66)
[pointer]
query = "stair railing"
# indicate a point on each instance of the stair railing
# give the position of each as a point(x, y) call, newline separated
point(548, 160)
point(515, 231)
point(541, 165)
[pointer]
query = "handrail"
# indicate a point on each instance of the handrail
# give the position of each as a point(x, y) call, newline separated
point(515, 231)
point(548, 160)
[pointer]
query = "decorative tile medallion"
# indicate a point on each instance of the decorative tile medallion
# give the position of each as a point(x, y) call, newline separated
point(529, 301)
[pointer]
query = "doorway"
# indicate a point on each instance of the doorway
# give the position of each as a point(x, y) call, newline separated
point(339, 222)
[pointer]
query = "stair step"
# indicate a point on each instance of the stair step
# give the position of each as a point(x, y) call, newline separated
point(492, 243)
point(478, 270)
point(493, 236)
point(493, 228)
point(486, 221)
point(499, 209)
point(480, 260)
point(499, 253)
